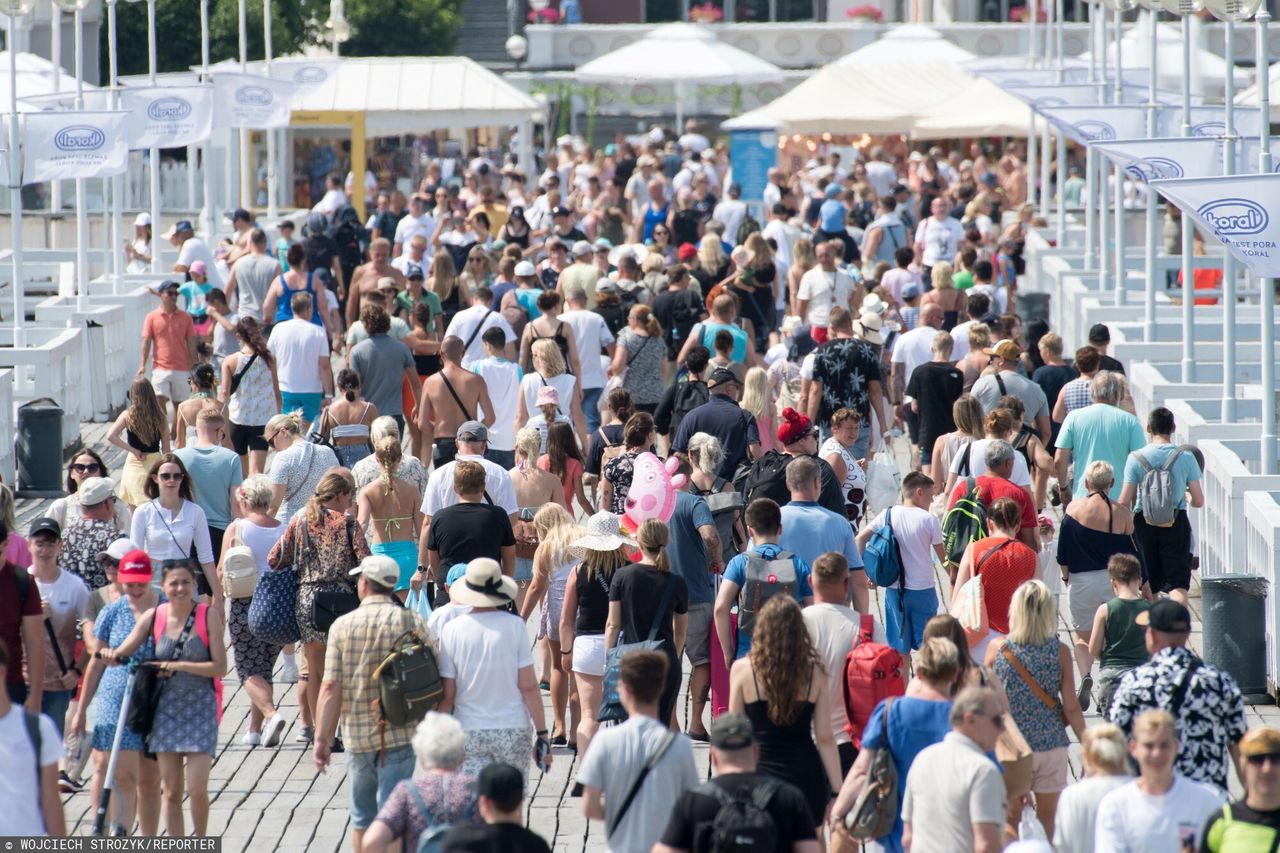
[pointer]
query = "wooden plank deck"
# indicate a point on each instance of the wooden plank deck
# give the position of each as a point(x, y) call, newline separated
point(273, 799)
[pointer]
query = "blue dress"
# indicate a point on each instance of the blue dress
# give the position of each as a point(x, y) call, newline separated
point(113, 627)
point(187, 711)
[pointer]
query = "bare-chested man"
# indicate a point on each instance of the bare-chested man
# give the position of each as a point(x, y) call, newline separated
point(365, 277)
point(450, 398)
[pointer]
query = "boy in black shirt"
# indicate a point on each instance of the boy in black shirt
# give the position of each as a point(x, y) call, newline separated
point(473, 527)
point(500, 792)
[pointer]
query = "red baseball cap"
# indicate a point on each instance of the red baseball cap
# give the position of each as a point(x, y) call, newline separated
point(135, 567)
point(687, 251)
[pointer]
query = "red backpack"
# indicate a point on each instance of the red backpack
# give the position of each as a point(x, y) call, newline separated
point(872, 672)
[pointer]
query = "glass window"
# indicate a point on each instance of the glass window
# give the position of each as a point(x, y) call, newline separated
point(796, 10)
point(661, 11)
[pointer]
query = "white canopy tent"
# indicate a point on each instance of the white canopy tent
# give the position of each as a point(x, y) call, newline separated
point(1209, 69)
point(1249, 96)
point(677, 54)
point(912, 42)
point(36, 77)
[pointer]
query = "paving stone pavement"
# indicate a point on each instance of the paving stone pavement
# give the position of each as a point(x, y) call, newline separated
point(273, 799)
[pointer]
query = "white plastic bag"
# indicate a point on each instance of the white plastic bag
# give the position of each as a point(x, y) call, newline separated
point(884, 481)
point(1030, 828)
point(1048, 569)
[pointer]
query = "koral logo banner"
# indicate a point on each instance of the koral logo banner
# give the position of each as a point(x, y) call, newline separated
point(1100, 122)
point(1164, 159)
point(1210, 121)
point(59, 145)
point(251, 101)
point(169, 116)
point(305, 73)
point(1237, 211)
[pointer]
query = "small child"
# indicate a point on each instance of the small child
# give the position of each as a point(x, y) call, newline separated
point(1117, 641)
point(910, 306)
point(194, 294)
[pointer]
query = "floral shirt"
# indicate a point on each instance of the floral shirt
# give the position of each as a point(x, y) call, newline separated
point(82, 542)
point(1040, 724)
point(1211, 717)
point(450, 797)
point(846, 368)
point(336, 547)
point(618, 471)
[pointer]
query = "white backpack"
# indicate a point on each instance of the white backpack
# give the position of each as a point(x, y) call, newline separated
point(239, 571)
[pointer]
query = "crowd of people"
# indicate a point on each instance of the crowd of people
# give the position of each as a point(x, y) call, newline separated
point(469, 427)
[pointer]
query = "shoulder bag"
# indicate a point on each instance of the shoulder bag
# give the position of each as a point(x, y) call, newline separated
point(328, 605)
point(1033, 685)
point(148, 685)
point(239, 374)
point(611, 704)
point(663, 745)
point(876, 809)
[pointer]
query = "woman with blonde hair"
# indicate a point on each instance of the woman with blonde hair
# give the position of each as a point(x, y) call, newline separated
point(966, 411)
point(705, 456)
point(535, 487)
point(639, 358)
point(478, 272)
point(391, 508)
point(443, 281)
point(146, 435)
point(550, 370)
point(803, 259)
point(298, 465)
point(945, 295)
point(712, 263)
point(755, 402)
point(1035, 668)
point(1106, 767)
point(603, 550)
point(781, 685)
point(322, 544)
point(552, 564)
point(647, 601)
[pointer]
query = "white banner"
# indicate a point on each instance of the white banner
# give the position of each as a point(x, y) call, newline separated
point(1074, 95)
point(251, 101)
point(61, 145)
point(1099, 122)
point(168, 116)
point(305, 73)
point(1236, 210)
point(1210, 121)
point(1247, 155)
point(1162, 159)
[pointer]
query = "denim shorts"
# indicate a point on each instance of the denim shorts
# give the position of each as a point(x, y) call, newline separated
point(524, 569)
point(371, 782)
point(905, 631)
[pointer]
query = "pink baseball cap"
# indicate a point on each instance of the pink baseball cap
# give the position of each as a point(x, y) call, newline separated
point(548, 396)
point(198, 268)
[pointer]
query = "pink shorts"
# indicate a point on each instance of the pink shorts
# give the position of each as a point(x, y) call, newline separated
point(1049, 771)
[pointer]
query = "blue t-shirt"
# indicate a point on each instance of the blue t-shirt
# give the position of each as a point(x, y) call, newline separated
point(709, 331)
point(1184, 471)
point(810, 530)
point(913, 725)
point(685, 550)
point(1100, 432)
point(736, 572)
point(214, 472)
point(500, 289)
point(528, 299)
point(831, 216)
point(193, 294)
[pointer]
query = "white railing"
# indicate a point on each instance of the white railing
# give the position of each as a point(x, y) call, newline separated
point(8, 433)
point(1262, 555)
point(48, 366)
point(106, 355)
point(1221, 528)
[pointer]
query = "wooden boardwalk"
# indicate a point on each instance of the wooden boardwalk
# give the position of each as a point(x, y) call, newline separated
point(273, 799)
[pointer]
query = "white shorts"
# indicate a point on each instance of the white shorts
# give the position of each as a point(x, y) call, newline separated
point(173, 384)
point(588, 654)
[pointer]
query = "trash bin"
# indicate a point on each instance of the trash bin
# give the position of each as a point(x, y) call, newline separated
point(1235, 631)
point(40, 449)
point(1033, 306)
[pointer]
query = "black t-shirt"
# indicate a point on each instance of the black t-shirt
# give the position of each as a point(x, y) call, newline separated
point(571, 236)
point(320, 250)
point(678, 311)
point(593, 602)
point(846, 368)
point(1052, 378)
point(935, 386)
point(1240, 813)
point(494, 838)
point(639, 589)
point(465, 531)
point(694, 812)
point(1106, 362)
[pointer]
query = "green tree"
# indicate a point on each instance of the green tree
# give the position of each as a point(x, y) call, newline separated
point(401, 27)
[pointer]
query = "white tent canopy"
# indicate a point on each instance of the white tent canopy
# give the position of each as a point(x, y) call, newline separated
point(677, 53)
point(925, 99)
point(911, 42)
point(1249, 97)
point(1206, 66)
point(35, 77)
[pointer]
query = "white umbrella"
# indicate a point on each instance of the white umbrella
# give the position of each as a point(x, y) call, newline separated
point(676, 54)
point(911, 42)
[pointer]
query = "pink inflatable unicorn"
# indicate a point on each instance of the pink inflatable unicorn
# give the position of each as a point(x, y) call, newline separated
point(653, 491)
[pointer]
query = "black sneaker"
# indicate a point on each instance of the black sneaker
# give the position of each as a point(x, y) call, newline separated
point(337, 746)
point(67, 785)
point(1085, 694)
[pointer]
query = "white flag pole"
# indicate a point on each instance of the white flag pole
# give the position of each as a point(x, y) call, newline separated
point(1188, 229)
point(1118, 197)
point(1266, 285)
point(15, 180)
point(82, 212)
point(153, 154)
point(1153, 233)
point(273, 210)
point(1229, 262)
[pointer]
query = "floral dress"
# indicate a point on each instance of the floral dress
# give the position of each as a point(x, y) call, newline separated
point(450, 798)
point(323, 557)
point(115, 623)
point(618, 471)
point(1040, 725)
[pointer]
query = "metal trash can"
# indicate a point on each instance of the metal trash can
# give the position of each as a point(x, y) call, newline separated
point(1033, 306)
point(39, 449)
point(1235, 631)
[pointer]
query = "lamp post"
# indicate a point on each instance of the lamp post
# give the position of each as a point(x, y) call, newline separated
point(208, 211)
point(153, 154)
point(13, 10)
point(76, 7)
point(117, 182)
point(273, 210)
point(339, 29)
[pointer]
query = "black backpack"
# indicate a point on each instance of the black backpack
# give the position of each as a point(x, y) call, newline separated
point(743, 823)
point(689, 396)
point(765, 478)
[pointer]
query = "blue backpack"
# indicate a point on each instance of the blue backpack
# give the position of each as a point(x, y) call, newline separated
point(882, 558)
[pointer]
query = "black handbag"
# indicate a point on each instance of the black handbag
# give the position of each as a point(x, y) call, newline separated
point(327, 606)
point(148, 685)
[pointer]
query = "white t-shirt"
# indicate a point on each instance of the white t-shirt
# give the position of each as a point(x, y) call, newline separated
point(564, 385)
point(502, 381)
point(333, 201)
point(951, 786)
point(68, 599)
point(941, 239)
point(194, 249)
point(824, 290)
point(881, 176)
point(590, 335)
point(999, 296)
point(1077, 816)
point(484, 652)
point(497, 482)
point(912, 349)
point(833, 627)
point(917, 531)
point(401, 262)
point(978, 464)
point(444, 614)
point(613, 761)
point(465, 323)
point(731, 212)
point(960, 334)
point(298, 345)
point(20, 814)
point(410, 227)
point(1134, 822)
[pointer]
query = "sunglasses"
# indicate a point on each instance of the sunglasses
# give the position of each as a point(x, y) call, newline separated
point(91, 468)
point(1259, 760)
point(997, 720)
point(273, 435)
point(169, 476)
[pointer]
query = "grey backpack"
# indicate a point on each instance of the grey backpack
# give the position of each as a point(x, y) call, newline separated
point(763, 580)
point(1156, 490)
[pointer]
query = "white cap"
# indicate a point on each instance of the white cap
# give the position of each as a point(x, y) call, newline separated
point(117, 549)
point(379, 569)
point(525, 269)
point(141, 219)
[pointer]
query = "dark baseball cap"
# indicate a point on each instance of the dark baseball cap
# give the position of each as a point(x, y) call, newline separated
point(1099, 334)
point(241, 215)
point(731, 731)
point(721, 376)
point(1166, 616)
point(413, 271)
point(900, 188)
point(562, 211)
point(45, 525)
